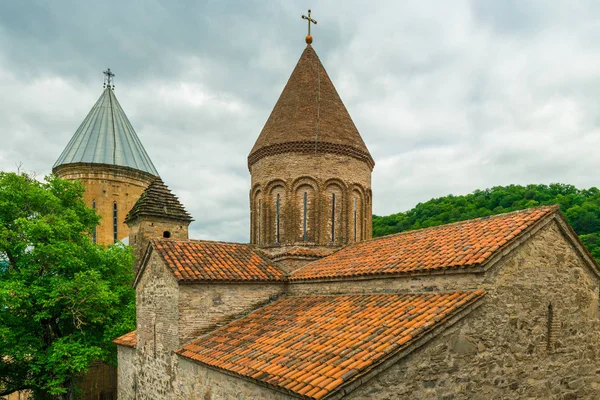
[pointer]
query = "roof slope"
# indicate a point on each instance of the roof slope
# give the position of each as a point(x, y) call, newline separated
point(157, 200)
point(128, 339)
point(198, 260)
point(308, 96)
point(106, 137)
point(313, 346)
point(459, 245)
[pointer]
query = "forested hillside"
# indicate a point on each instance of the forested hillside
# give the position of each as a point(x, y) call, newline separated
point(581, 207)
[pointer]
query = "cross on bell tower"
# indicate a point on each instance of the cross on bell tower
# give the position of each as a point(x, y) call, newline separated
point(309, 20)
point(108, 79)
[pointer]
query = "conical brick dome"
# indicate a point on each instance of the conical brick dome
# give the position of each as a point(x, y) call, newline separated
point(310, 117)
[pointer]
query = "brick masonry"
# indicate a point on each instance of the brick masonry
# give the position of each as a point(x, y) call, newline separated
point(320, 176)
point(107, 185)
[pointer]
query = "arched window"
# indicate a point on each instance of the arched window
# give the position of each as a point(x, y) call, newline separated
point(305, 216)
point(94, 234)
point(115, 223)
point(277, 218)
point(259, 216)
point(333, 217)
point(355, 217)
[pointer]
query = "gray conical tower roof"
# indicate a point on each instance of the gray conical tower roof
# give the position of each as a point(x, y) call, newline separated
point(106, 137)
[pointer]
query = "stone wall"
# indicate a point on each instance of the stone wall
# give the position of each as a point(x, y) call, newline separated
point(290, 175)
point(198, 382)
point(144, 228)
point(204, 306)
point(510, 347)
point(107, 186)
point(126, 373)
point(157, 297)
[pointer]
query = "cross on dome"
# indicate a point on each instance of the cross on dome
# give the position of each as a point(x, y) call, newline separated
point(309, 20)
point(108, 80)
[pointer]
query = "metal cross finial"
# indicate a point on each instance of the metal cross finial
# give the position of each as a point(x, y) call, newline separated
point(108, 80)
point(309, 20)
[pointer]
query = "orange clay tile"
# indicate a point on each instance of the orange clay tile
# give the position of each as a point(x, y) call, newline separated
point(198, 260)
point(459, 245)
point(283, 343)
point(128, 339)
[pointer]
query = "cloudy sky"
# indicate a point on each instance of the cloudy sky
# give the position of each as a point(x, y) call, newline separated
point(449, 96)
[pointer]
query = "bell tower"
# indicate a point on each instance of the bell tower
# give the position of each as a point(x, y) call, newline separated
point(310, 171)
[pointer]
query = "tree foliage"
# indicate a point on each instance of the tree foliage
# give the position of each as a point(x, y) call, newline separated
point(581, 207)
point(62, 298)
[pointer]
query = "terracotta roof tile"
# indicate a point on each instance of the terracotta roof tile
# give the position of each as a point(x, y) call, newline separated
point(198, 260)
point(311, 345)
point(128, 339)
point(459, 245)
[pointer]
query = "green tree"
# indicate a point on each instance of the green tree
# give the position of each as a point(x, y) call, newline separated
point(62, 298)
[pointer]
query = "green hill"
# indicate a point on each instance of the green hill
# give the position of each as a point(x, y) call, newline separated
point(581, 207)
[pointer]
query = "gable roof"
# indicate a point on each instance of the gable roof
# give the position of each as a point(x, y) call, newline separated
point(314, 346)
point(309, 100)
point(200, 261)
point(157, 200)
point(466, 244)
point(128, 339)
point(106, 137)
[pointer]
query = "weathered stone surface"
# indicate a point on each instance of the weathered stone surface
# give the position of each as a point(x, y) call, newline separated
point(501, 349)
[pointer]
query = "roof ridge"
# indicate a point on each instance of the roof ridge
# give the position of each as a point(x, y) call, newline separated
point(460, 246)
point(203, 241)
point(553, 208)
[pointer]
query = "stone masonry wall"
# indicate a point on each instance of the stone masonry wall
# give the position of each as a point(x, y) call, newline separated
point(509, 348)
point(198, 382)
point(290, 175)
point(108, 185)
point(157, 297)
point(204, 306)
point(144, 228)
point(126, 373)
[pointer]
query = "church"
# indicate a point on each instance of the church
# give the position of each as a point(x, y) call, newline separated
point(313, 307)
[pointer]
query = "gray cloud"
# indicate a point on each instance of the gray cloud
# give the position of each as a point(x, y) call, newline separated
point(448, 97)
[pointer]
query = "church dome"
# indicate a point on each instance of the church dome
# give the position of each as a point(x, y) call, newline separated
point(106, 137)
point(310, 117)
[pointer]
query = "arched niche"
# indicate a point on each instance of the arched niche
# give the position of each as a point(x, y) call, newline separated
point(277, 212)
point(333, 212)
point(305, 192)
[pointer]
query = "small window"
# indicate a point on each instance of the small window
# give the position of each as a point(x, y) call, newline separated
point(355, 218)
point(549, 332)
point(115, 223)
point(333, 217)
point(277, 217)
point(259, 220)
point(94, 234)
point(305, 215)
point(166, 234)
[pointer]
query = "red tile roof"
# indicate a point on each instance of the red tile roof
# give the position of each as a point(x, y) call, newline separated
point(459, 245)
point(312, 346)
point(198, 260)
point(128, 339)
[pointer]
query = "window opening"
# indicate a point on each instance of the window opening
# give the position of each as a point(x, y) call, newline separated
point(115, 223)
point(259, 218)
point(94, 234)
point(333, 217)
point(166, 234)
point(549, 328)
point(277, 207)
point(304, 222)
point(355, 219)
